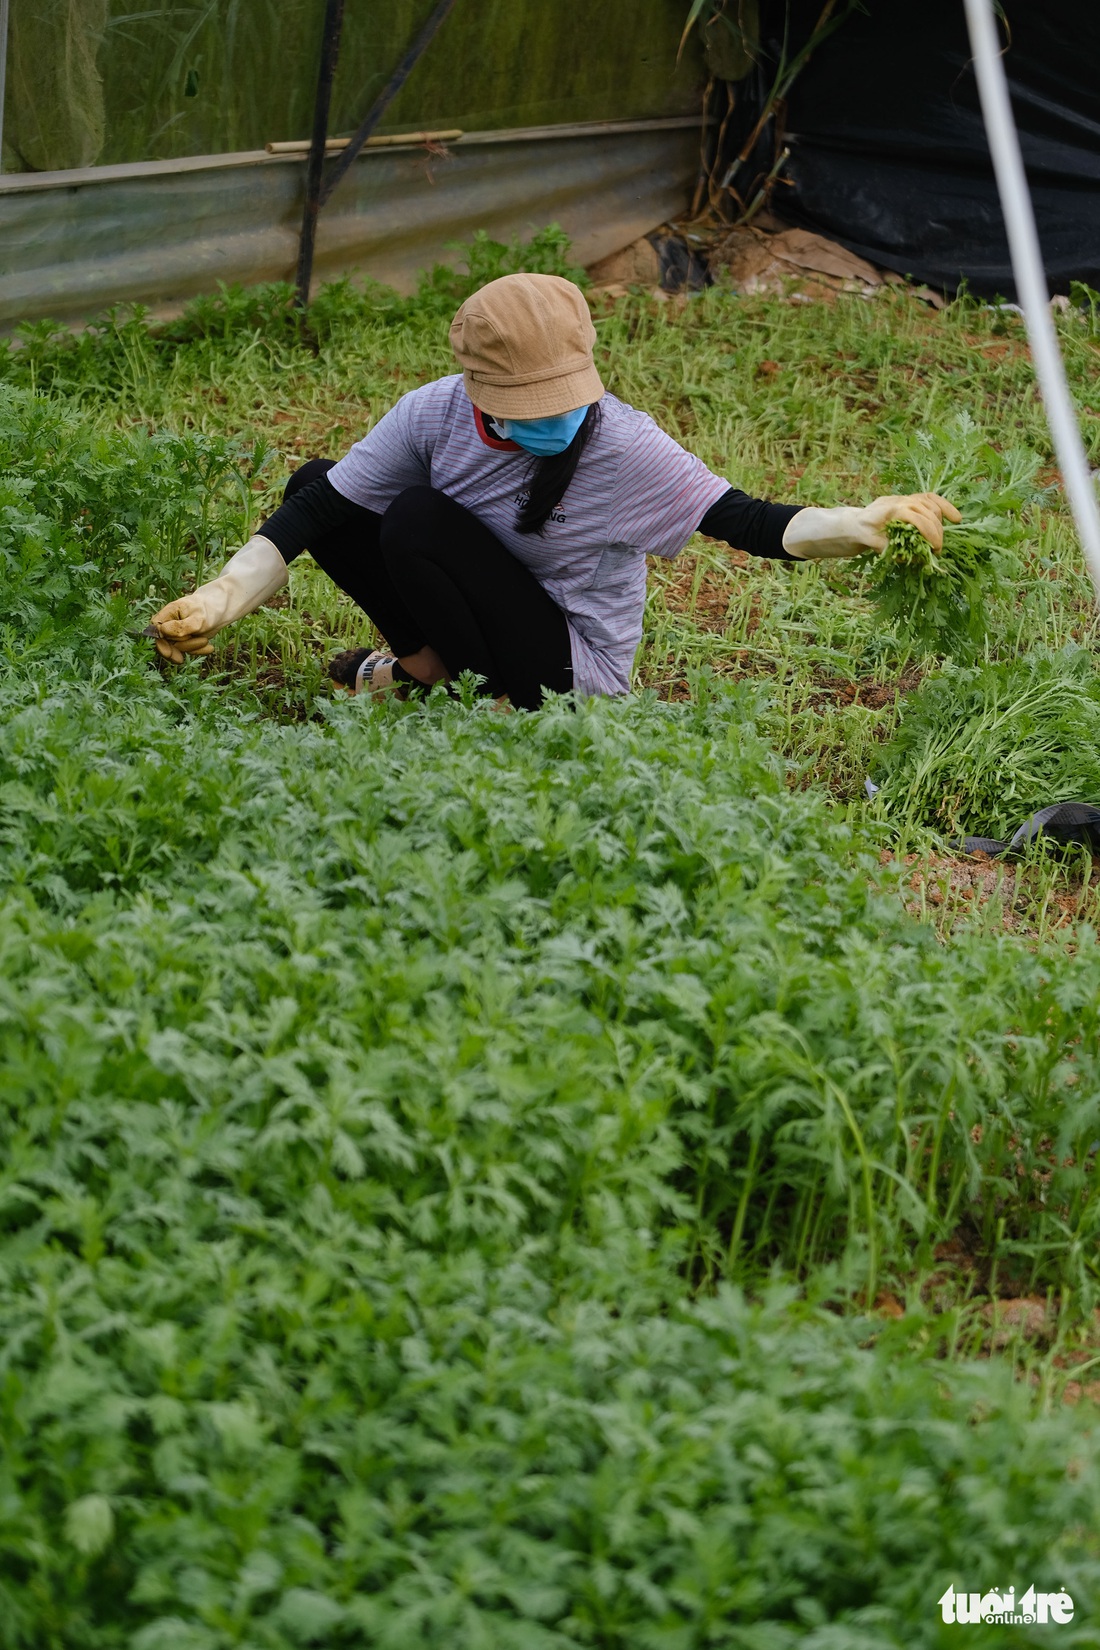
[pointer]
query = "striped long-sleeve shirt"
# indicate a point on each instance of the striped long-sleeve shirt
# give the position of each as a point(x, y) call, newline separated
point(635, 492)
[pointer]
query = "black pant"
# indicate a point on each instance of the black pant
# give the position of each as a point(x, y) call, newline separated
point(430, 574)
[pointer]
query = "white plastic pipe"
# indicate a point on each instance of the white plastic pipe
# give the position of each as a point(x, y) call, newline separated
point(1031, 285)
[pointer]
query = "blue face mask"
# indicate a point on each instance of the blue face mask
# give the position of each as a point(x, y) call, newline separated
point(543, 436)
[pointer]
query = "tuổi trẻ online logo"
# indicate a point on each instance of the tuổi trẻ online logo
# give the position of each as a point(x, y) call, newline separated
point(1002, 1608)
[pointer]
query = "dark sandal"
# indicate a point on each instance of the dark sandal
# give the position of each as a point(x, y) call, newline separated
point(355, 671)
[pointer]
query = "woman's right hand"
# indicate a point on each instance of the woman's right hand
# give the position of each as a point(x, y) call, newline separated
point(246, 581)
point(180, 629)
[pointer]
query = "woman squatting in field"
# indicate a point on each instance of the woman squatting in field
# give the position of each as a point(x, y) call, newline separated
point(498, 520)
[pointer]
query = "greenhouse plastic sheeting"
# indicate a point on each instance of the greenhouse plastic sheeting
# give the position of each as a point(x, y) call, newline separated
point(889, 153)
point(160, 232)
point(105, 81)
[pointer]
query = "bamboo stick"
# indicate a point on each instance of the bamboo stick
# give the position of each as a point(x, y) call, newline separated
point(333, 146)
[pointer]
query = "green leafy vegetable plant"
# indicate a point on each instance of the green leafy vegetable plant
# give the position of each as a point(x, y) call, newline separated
point(84, 514)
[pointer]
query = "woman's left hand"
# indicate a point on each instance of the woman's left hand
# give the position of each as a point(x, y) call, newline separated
point(927, 512)
point(816, 534)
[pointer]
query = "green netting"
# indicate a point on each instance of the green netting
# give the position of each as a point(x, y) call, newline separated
point(54, 108)
point(106, 80)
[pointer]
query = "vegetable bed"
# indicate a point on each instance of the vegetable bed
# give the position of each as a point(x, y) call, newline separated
point(501, 1181)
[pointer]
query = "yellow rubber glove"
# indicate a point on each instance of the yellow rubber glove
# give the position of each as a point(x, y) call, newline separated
point(848, 530)
point(246, 581)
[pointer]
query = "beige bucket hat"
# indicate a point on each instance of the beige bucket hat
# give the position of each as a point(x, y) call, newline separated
point(524, 343)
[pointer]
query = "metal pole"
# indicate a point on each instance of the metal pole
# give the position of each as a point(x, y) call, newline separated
point(3, 71)
point(1031, 285)
point(330, 51)
point(386, 96)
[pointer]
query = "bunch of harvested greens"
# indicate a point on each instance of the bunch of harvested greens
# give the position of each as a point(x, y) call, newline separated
point(941, 602)
point(978, 748)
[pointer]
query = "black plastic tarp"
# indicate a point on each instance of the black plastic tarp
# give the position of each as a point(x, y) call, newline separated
point(888, 149)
